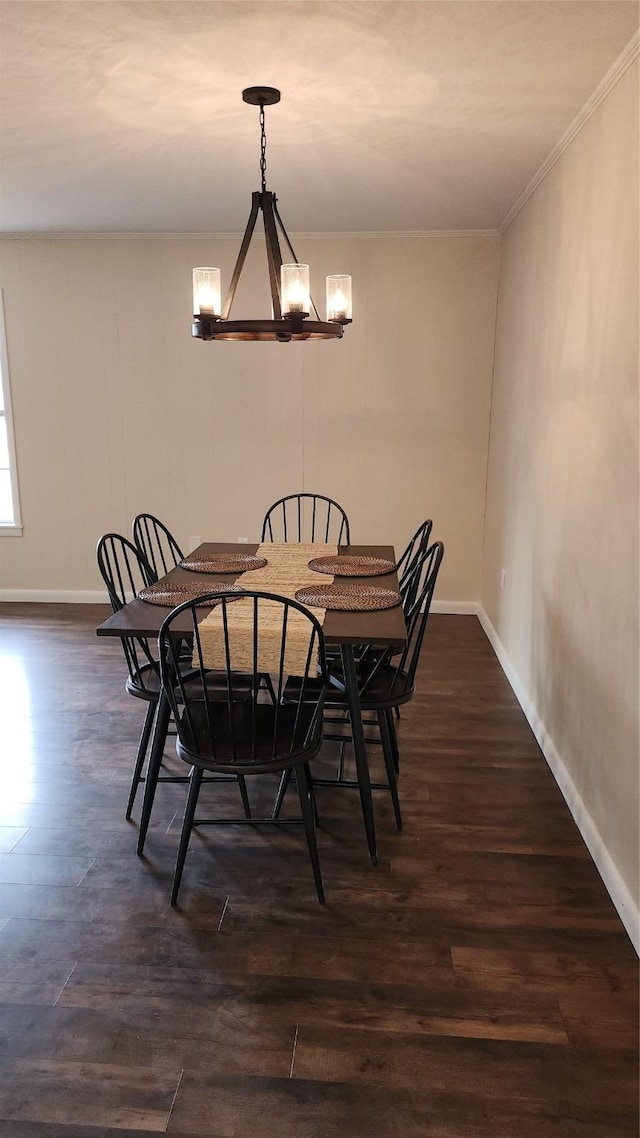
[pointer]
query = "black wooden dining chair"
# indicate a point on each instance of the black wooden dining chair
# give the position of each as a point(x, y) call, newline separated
point(221, 729)
point(306, 517)
point(385, 682)
point(414, 570)
point(125, 571)
point(410, 568)
point(406, 564)
point(157, 545)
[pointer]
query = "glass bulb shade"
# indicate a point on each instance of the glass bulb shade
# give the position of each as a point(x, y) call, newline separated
point(339, 306)
point(294, 288)
point(206, 292)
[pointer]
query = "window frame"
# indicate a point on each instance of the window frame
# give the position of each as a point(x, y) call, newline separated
point(15, 529)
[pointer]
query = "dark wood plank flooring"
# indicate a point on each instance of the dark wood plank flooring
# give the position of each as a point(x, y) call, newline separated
point(478, 982)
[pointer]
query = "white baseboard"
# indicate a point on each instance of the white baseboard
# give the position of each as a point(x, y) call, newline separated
point(614, 884)
point(56, 596)
point(455, 608)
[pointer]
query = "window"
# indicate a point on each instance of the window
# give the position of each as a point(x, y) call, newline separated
point(9, 504)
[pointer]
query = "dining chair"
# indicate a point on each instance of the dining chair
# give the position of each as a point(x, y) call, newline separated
point(384, 684)
point(224, 731)
point(409, 568)
point(306, 517)
point(406, 564)
point(157, 545)
point(125, 571)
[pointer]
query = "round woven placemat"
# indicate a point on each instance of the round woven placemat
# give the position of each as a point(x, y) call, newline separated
point(223, 563)
point(352, 566)
point(348, 598)
point(171, 595)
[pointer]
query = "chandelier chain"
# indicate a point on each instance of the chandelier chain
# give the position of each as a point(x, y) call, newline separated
point(263, 149)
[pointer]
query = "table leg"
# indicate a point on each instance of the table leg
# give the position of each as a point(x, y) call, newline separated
point(359, 747)
point(160, 729)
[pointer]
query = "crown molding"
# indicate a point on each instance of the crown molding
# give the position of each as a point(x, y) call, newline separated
point(407, 233)
point(615, 72)
point(115, 236)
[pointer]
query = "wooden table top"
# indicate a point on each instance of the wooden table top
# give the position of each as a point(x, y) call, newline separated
point(381, 629)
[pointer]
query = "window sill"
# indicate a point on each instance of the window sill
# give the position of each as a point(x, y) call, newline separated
point(10, 531)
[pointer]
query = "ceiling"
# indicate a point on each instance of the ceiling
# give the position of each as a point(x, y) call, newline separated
point(395, 116)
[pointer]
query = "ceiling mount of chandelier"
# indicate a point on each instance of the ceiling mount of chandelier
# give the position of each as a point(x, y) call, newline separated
point(291, 300)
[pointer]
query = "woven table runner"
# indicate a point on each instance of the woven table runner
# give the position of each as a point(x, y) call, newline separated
point(286, 571)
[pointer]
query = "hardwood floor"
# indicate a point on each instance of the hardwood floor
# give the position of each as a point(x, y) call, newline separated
point(478, 982)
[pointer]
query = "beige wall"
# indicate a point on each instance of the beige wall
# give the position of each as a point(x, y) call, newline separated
point(118, 410)
point(562, 497)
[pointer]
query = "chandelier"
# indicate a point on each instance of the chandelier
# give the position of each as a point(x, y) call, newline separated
point(292, 304)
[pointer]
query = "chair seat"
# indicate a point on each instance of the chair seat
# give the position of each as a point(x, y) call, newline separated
point(387, 688)
point(244, 738)
point(145, 684)
point(150, 686)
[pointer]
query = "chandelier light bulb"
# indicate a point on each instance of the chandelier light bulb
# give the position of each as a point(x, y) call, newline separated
point(295, 290)
point(207, 292)
point(339, 306)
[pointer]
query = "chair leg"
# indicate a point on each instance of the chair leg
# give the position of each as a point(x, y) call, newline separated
point(359, 748)
point(141, 756)
point(153, 768)
point(387, 750)
point(314, 801)
point(303, 781)
point(242, 783)
point(282, 790)
point(341, 763)
point(394, 741)
point(187, 826)
point(265, 679)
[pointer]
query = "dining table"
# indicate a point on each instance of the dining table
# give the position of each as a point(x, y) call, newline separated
point(343, 630)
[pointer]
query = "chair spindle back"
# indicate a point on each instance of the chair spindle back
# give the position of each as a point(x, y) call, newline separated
point(306, 517)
